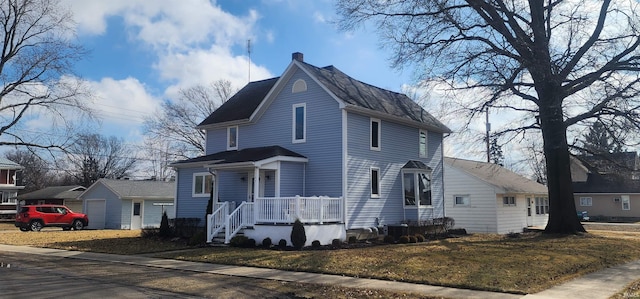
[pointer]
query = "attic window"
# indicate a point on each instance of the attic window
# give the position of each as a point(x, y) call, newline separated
point(299, 86)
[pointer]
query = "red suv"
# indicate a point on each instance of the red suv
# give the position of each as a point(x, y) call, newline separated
point(36, 217)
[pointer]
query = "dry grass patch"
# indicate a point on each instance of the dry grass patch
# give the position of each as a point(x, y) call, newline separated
point(631, 291)
point(528, 264)
point(105, 241)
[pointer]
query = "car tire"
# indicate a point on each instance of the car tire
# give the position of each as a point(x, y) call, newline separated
point(36, 225)
point(24, 229)
point(77, 224)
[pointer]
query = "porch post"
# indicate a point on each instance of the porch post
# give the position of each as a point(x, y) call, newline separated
point(256, 183)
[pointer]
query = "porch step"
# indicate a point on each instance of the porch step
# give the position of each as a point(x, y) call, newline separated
point(219, 238)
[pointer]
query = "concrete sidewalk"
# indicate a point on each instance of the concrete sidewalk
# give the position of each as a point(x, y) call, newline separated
point(601, 284)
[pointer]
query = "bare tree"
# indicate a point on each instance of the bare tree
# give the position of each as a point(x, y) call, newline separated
point(35, 66)
point(159, 155)
point(93, 157)
point(176, 121)
point(557, 63)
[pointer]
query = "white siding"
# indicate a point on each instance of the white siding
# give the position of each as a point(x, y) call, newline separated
point(480, 215)
point(511, 219)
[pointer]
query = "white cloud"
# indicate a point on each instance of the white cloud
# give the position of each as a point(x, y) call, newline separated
point(123, 102)
point(205, 66)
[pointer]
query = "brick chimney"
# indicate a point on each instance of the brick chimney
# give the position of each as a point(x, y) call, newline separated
point(297, 56)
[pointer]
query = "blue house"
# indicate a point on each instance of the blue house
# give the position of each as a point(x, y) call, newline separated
point(317, 145)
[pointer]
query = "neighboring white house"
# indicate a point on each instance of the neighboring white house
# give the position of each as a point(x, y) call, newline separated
point(128, 204)
point(487, 198)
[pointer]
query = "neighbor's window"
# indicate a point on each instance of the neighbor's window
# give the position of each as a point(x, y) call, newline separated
point(509, 201)
point(542, 205)
point(202, 184)
point(423, 144)
point(232, 138)
point(585, 201)
point(417, 188)
point(375, 134)
point(7, 176)
point(461, 200)
point(626, 205)
point(299, 123)
point(375, 182)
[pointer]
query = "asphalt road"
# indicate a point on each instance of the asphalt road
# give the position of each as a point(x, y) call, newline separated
point(37, 276)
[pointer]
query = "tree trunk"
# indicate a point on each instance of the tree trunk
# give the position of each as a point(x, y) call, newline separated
point(562, 209)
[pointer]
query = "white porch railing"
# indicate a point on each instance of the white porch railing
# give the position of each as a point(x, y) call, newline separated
point(238, 219)
point(316, 209)
point(274, 210)
point(216, 221)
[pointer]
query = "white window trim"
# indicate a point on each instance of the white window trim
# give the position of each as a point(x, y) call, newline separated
point(371, 181)
point(416, 189)
point(464, 204)
point(625, 199)
point(371, 121)
point(304, 123)
point(590, 201)
point(229, 147)
point(193, 185)
point(426, 143)
point(515, 201)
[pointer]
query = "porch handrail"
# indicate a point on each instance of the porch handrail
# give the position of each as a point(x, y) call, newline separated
point(240, 218)
point(217, 220)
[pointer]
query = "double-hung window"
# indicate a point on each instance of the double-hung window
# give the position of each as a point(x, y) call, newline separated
point(461, 200)
point(374, 129)
point(299, 130)
point(202, 184)
point(423, 144)
point(375, 182)
point(416, 188)
point(232, 138)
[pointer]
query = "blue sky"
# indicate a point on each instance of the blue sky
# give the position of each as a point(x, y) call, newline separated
point(143, 52)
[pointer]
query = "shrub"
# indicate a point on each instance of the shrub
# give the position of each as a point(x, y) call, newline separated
point(412, 239)
point(165, 230)
point(389, 239)
point(403, 240)
point(198, 238)
point(266, 243)
point(420, 238)
point(336, 243)
point(315, 244)
point(251, 243)
point(298, 235)
point(282, 243)
point(353, 239)
point(238, 241)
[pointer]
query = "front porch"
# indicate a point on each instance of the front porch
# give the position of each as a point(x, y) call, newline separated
point(323, 217)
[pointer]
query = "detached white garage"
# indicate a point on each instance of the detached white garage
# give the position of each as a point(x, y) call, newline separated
point(128, 204)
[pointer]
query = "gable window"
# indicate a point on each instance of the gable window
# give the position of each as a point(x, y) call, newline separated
point(232, 138)
point(375, 134)
point(299, 86)
point(585, 201)
point(202, 183)
point(542, 205)
point(423, 144)
point(626, 204)
point(509, 201)
point(417, 188)
point(461, 200)
point(375, 182)
point(299, 123)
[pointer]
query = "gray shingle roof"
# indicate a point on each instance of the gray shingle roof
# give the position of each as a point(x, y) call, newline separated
point(54, 192)
point(351, 91)
point(8, 164)
point(497, 176)
point(244, 155)
point(140, 189)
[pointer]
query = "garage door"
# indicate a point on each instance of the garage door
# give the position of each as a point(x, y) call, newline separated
point(95, 210)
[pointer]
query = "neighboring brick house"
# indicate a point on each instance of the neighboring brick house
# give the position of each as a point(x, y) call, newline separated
point(9, 186)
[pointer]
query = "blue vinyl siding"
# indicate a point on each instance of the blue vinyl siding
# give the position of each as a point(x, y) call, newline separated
point(398, 144)
point(292, 179)
point(187, 205)
point(232, 186)
point(113, 205)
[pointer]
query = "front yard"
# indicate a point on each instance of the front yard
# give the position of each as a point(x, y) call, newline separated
point(524, 264)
